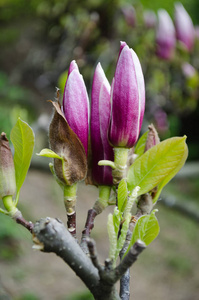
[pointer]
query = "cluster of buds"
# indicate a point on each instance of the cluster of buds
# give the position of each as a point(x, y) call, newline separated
point(167, 33)
point(115, 121)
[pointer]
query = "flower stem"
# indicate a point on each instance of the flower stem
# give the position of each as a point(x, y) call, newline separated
point(120, 161)
point(100, 204)
point(70, 198)
point(9, 205)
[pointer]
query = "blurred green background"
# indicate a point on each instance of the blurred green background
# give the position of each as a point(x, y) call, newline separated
point(38, 40)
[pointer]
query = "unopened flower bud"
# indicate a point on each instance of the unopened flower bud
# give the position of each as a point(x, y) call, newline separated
point(7, 169)
point(185, 31)
point(128, 100)
point(152, 138)
point(188, 70)
point(150, 19)
point(76, 104)
point(100, 114)
point(129, 14)
point(165, 36)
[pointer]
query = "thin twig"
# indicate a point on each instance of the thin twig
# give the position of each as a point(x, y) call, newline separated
point(20, 220)
point(93, 253)
point(129, 259)
point(24, 223)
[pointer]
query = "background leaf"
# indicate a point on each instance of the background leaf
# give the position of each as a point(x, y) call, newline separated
point(161, 161)
point(146, 229)
point(22, 137)
point(140, 146)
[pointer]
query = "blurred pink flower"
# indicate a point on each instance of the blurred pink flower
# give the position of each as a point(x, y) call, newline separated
point(150, 19)
point(129, 14)
point(188, 70)
point(165, 35)
point(185, 32)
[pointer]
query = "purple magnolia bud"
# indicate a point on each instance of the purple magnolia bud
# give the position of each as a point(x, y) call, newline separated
point(185, 31)
point(150, 19)
point(128, 100)
point(196, 32)
point(161, 120)
point(129, 14)
point(188, 70)
point(165, 35)
point(100, 115)
point(76, 104)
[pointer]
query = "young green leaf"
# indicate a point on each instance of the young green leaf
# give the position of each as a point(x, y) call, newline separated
point(22, 137)
point(122, 237)
point(146, 229)
point(112, 236)
point(140, 146)
point(161, 161)
point(122, 195)
point(170, 176)
point(131, 200)
point(48, 153)
point(117, 217)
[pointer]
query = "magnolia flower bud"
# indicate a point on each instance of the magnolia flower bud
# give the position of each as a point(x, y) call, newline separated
point(76, 104)
point(161, 120)
point(128, 100)
point(7, 169)
point(150, 19)
point(188, 70)
point(100, 115)
point(185, 31)
point(165, 35)
point(129, 14)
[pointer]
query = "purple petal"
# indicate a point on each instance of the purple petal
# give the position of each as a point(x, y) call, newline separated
point(104, 112)
point(72, 67)
point(100, 112)
point(76, 106)
point(141, 87)
point(127, 100)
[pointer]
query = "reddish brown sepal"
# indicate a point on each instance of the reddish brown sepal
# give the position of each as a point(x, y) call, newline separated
point(66, 144)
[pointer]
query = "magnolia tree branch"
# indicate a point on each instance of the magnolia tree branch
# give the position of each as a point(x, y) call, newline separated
point(144, 206)
point(50, 235)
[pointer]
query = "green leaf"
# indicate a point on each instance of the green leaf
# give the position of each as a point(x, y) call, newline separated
point(117, 216)
point(122, 237)
point(22, 137)
point(112, 237)
point(146, 229)
point(158, 163)
point(49, 153)
point(131, 201)
point(171, 175)
point(140, 146)
point(122, 195)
